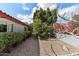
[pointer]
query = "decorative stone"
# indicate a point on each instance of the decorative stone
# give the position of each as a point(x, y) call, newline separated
point(65, 48)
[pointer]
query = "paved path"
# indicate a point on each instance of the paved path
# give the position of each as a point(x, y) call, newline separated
point(30, 47)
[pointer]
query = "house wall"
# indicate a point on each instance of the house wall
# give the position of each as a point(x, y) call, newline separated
point(16, 27)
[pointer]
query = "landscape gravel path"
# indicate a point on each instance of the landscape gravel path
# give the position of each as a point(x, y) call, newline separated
point(29, 47)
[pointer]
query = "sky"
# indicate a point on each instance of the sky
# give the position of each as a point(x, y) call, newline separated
point(24, 11)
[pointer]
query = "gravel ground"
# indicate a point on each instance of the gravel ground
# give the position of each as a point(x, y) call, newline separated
point(30, 47)
point(56, 48)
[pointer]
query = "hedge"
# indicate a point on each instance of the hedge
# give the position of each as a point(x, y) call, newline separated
point(8, 39)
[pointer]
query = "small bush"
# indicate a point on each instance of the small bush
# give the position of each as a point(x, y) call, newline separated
point(8, 39)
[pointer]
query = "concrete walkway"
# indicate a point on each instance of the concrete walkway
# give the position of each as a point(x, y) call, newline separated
point(69, 39)
point(30, 47)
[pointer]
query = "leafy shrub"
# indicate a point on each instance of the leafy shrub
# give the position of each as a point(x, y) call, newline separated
point(8, 39)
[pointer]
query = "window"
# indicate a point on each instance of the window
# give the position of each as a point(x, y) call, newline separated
point(3, 28)
point(25, 28)
point(12, 28)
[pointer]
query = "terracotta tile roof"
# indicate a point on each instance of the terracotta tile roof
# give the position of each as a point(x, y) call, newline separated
point(62, 27)
point(58, 26)
point(68, 28)
point(8, 17)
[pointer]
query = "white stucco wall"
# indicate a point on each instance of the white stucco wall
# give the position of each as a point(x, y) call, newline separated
point(16, 27)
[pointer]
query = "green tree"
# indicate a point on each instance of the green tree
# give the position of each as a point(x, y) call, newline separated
point(43, 21)
point(37, 27)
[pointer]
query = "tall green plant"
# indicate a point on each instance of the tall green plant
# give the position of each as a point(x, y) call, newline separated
point(43, 21)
